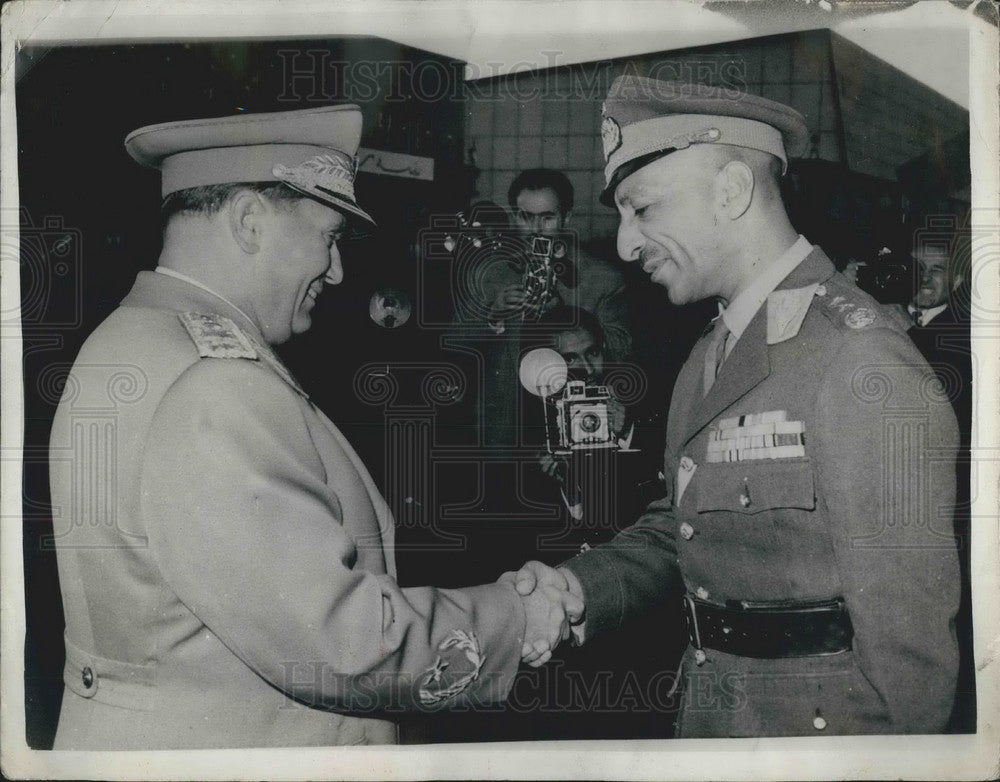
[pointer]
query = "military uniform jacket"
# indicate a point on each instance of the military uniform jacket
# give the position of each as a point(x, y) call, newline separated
point(225, 560)
point(861, 510)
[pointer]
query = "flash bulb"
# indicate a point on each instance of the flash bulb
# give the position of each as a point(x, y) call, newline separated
point(543, 372)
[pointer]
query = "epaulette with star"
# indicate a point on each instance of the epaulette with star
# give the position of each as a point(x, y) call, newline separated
point(217, 336)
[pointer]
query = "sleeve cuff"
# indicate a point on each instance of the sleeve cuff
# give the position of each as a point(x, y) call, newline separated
point(602, 591)
point(499, 627)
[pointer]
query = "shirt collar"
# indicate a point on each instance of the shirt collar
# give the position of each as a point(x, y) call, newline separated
point(926, 316)
point(741, 310)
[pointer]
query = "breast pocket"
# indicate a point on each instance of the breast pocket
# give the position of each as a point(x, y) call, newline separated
point(756, 486)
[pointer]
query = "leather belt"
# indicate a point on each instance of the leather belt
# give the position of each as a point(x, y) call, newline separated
point(770, 630)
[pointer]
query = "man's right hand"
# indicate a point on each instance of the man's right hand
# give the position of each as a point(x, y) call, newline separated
point(563, 606)
point(509, 301)
point(548, 613)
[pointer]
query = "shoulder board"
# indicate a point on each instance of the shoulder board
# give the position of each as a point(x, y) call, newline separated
point(216, 336)
point(786, 309)
point(849, 308)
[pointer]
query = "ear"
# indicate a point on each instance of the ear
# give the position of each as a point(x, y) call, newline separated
point(566, 217)
point(736, 183)
point(957, 281)
point(246, 211)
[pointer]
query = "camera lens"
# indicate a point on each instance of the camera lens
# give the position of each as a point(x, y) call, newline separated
point(590, 423)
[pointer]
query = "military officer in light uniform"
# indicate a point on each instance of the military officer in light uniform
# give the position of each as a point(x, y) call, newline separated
point(809, 457)
point(225, 560)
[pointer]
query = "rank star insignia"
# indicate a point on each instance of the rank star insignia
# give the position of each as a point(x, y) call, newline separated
point(611, 136)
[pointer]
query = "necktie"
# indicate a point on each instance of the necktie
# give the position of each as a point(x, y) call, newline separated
point(716, 353)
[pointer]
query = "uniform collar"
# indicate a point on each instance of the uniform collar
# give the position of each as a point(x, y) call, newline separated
point(741, 310)
point(179, 293)
point(192, 281)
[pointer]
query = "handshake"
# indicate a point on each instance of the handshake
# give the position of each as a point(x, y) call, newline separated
point(553, 602)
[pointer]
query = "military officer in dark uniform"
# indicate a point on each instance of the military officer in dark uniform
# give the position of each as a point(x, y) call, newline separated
point(227, 565)
point(810, 453)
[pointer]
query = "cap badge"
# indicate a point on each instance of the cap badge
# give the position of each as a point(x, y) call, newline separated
point(611, 136)
point(685, 140)
point(333, 171)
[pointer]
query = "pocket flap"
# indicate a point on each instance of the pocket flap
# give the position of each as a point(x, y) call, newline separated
point(752, 487)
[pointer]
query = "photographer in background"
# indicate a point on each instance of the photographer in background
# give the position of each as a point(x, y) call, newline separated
point(577, 336)
point(541, 202)
point(520, 279)
point(579, 483)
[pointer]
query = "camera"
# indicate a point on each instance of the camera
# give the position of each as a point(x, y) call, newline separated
point(581, 410)
point(888, 279)
point(582, 417)
point(539, 276)
point(469, 251)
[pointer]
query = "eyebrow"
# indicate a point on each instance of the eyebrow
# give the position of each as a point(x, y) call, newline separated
point(628, 199)
point(630, 192)
point(642, 192)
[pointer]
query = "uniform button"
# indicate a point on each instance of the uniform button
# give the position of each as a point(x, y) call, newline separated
point(699, 657)
point(821, 290)
point(819, 723)
point(687, 463)
point(687, 531)
point(87, 678)
point(702, 593)
point(661, 476)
